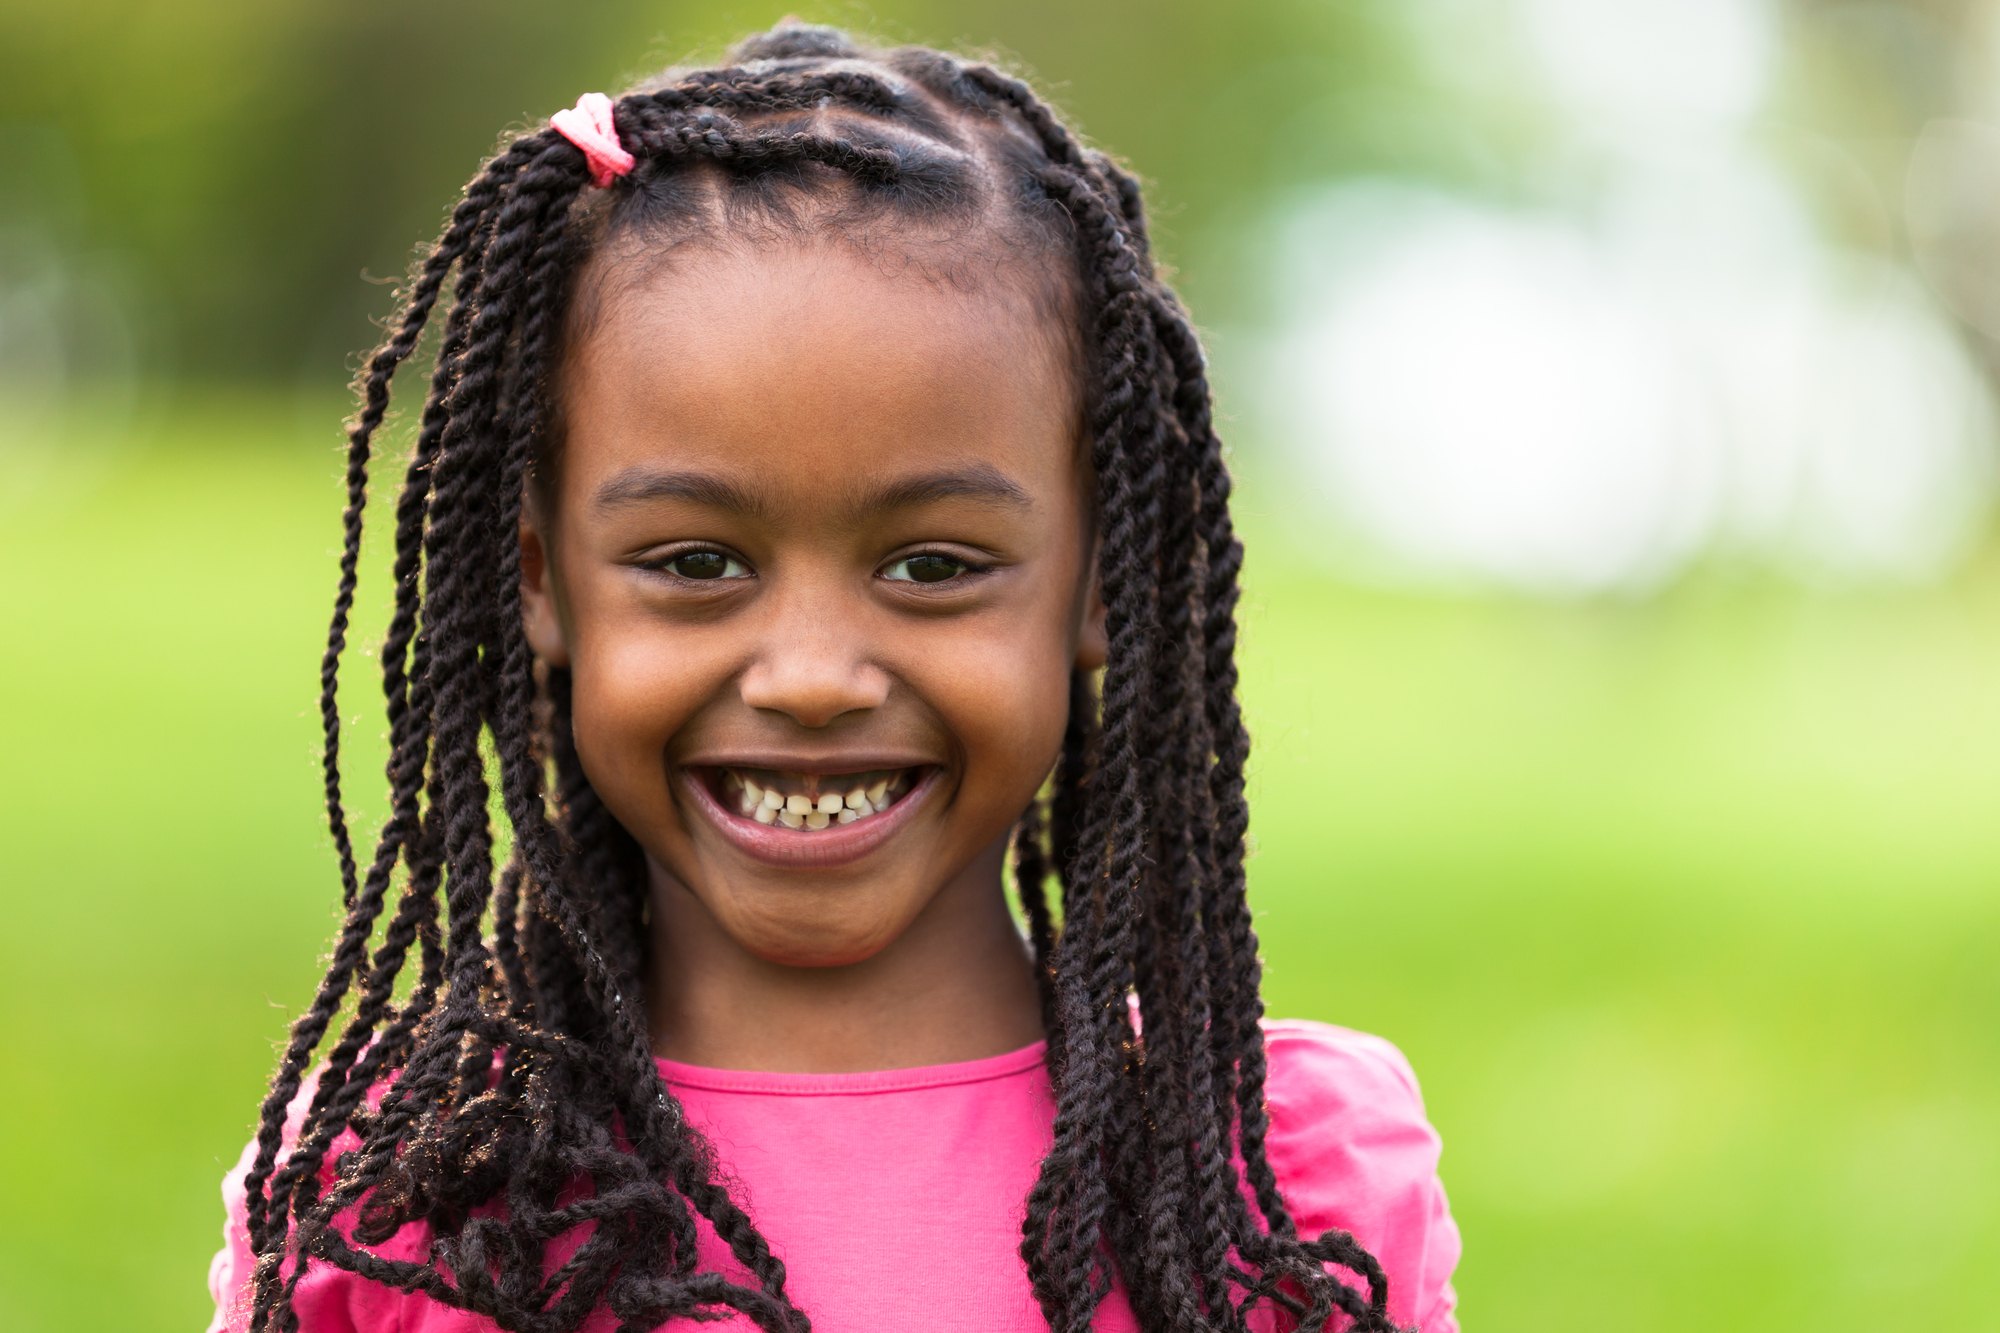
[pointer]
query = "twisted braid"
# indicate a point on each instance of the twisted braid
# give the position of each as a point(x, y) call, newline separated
point(1170, 978)
point(1067, 1204)
point(374, 391)
point(469, 221)
point(511, 1101)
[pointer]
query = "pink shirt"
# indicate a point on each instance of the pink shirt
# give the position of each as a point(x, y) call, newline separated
point(905, 1166)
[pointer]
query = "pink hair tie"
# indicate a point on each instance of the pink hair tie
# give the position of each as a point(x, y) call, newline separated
point(589, 126)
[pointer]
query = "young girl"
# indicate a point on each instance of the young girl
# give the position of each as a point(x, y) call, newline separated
point(815, 509)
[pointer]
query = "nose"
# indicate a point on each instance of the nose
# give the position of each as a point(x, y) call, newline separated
point(813, 664)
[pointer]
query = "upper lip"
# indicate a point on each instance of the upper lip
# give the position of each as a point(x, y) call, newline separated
point(823, 764)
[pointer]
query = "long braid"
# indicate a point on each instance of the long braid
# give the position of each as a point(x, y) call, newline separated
point(511, 1101)
point(451, 249)
point(374, 391)
point(1071, 775)
point(1170, 979)
point(1191, 403)
point(465, 817)
point(1066, 1207)
point(1244, 1007)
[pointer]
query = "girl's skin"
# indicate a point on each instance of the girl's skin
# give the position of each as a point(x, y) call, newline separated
point(757, 443)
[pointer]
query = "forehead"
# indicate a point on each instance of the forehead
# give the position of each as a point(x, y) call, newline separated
point(805, 366)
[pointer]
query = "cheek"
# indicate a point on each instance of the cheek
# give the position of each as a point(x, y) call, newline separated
point(630, 693)
point(1009, 693)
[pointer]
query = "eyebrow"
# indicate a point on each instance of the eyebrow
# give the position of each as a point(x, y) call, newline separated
point(979, 482)
point(642, 485)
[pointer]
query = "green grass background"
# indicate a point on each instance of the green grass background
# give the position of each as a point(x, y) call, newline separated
point(1684, 909)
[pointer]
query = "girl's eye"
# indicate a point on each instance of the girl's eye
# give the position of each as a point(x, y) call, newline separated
point(928, 567)
point(703, 565)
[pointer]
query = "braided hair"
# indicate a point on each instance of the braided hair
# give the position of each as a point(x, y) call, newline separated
point(502, 1090)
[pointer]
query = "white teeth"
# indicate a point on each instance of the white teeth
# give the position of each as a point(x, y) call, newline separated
point(762, 800)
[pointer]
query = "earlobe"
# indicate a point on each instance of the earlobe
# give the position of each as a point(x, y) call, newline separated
point(1093, 642)
point(539, 618)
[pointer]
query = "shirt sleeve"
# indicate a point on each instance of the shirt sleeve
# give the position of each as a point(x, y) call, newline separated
point(328, 1299)
point(229, 1271)
point(1352, 1149)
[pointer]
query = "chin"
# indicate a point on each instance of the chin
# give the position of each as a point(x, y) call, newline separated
point(798, 940)
point(820, 957)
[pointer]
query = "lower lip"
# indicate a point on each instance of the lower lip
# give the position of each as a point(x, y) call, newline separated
point(835, 845)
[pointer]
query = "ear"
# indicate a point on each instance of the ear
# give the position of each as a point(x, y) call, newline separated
point(541, 618)
point(1093, 643)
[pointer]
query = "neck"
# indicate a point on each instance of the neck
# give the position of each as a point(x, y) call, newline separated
point(957, 984)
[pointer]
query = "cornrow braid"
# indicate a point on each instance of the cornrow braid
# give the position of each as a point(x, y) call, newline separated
point(510, 1100)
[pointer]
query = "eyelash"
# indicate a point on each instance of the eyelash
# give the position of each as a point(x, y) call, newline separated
point(663, 566)
point(968, 569)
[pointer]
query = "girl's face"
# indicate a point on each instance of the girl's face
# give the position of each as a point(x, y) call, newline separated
point(820, 565)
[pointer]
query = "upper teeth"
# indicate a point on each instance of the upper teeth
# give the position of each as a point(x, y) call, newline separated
point(812, 800)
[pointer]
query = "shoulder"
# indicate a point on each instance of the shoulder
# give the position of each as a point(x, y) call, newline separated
point(1329, 1086)
point(1353, 1149)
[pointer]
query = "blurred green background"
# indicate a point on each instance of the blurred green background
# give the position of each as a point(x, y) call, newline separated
point(1611, 386)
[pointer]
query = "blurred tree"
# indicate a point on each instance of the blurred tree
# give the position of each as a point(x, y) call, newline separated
point(261, 171)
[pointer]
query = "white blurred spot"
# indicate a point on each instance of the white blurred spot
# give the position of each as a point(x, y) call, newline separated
point(1533, 401)
point(1672, 60)
point(1480, 406)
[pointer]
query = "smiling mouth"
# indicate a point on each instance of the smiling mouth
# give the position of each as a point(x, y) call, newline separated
point(808, 801)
